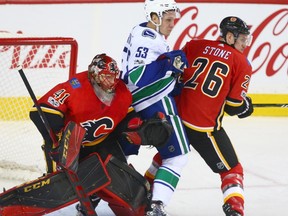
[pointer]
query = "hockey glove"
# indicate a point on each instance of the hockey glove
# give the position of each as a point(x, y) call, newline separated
point(176, 60)
point(152, 132)
point(179, 85)
point(248, 108)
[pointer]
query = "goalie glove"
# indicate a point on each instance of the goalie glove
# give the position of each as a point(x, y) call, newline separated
point(152, 132)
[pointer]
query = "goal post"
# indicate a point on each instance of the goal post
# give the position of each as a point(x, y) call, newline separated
point(46, 61)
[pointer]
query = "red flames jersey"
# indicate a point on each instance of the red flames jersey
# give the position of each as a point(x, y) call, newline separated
point(217, 75)
point(76, 101)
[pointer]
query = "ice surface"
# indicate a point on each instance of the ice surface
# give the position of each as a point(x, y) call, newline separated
point(262, 147)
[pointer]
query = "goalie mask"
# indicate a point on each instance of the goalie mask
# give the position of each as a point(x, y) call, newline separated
point(103, 71)
point(236, 26)
point(159, 7)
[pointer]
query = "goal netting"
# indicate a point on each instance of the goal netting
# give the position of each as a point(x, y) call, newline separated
point(46, 61)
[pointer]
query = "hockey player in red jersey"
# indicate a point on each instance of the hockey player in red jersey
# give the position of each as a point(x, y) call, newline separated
point(99, 102)
point(216, 82)
point(95, 99)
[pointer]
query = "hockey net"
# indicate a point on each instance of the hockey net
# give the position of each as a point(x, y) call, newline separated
point(45, 62)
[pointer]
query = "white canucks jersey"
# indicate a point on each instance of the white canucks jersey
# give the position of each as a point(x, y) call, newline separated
point(144, 45)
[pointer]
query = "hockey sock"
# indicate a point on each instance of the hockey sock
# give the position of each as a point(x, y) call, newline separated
point(152, 170)
point(167, 178)
point(232, 188)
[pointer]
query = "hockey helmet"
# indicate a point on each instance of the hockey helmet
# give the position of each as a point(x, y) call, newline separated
point(236, 26)
point(159, 7)
point(104, 71)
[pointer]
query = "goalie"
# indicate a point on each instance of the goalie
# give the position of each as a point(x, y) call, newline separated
point(99, 102)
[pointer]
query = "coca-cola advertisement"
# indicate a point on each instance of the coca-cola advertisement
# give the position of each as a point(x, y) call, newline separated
point(268, 52)
point(105, 27)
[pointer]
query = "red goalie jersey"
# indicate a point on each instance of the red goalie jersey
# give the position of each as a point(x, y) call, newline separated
point(218, 75)
point(75, 100)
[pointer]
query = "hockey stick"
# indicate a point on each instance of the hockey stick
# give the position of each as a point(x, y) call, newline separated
point(72, 176)
point(41, 114)
point(271, 105)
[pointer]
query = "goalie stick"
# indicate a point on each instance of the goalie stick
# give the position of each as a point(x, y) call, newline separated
point(41, 114)
point(71, 175)
point(270, 105)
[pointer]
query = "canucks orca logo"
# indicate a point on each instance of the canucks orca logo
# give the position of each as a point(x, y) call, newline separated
point(97, 128)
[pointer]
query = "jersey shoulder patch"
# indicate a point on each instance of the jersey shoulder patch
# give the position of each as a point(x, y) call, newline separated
point(74, 82)
point(149, 33)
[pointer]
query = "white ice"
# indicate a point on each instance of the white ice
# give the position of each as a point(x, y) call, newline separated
point(262, 147)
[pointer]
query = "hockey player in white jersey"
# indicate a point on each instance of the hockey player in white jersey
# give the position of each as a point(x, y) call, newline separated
point(150, 71)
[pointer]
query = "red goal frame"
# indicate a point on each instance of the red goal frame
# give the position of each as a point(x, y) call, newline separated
point(47, 41)
point(46, 54)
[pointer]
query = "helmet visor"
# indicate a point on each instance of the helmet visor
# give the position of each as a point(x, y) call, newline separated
point(245, 39)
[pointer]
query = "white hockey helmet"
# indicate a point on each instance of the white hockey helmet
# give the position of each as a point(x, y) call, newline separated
point(160, 6)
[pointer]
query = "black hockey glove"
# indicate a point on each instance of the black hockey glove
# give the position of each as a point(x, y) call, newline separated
point(248, 108)
point(177, 61)
point(152, 132)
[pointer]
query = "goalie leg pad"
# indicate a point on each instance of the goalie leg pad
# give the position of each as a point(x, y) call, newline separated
point(129, 192)
point(66, 152)
point(69, 145)
point(52, 192)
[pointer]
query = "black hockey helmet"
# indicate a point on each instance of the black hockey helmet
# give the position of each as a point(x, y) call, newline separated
point(234, 25)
